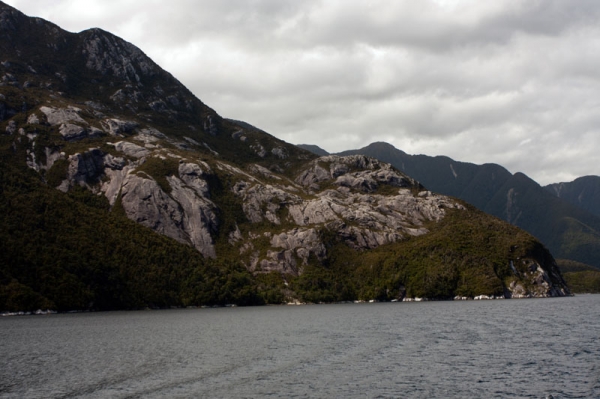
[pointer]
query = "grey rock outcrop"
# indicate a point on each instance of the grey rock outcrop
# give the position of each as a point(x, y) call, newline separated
point(105, 53)
point(132, 150)
point(59, 116)
point(72, 132)
point(84, 169)
point(71, 125)
point(184, 214)
point(349, 206)
point(198, 219)
point(11, 127)
point(116, 126)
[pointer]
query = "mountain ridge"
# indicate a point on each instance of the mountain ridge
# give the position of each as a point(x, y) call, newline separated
point(89, 122)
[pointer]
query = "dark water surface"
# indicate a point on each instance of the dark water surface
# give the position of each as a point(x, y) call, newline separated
point(476, 349)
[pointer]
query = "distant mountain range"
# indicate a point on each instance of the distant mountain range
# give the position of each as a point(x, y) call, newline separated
point(583, 192)
point(564, 216)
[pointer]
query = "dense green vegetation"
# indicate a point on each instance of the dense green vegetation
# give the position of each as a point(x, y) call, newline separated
point(586, 282)
point(67, 251)
point(571, 266)
point(466, 254)
point(581, 278)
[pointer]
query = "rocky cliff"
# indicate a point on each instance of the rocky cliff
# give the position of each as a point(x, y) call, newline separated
point(91, 112)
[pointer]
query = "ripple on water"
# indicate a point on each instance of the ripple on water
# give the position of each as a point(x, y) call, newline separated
point(528, 348)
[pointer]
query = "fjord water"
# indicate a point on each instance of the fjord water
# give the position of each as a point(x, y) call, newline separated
point(512, 348)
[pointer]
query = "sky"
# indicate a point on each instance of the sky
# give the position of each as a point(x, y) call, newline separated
point(512, 82)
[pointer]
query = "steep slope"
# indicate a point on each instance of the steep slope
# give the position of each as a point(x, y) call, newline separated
point(583, 192)
point(89, 123)
point(568, 231)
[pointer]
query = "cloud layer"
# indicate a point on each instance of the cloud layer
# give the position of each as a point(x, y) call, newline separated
point(512, 82)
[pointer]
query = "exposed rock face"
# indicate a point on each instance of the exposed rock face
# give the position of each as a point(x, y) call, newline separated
point(186, 213)
point(105, 54)
point(350, 208)
point(71, 125)
point(72, 132)
point(296, 243)
point(183, 215)
point(59, 116)
point(117, 126)
point(132, 150)
point(199, 219)
point(193, 175)
point(539, 282)
point(86, 168)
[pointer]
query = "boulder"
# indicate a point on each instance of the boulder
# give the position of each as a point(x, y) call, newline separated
point(62, 116)
point(70, 131)
point(132, 150)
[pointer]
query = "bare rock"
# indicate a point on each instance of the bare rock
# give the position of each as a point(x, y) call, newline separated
point(210, 126)
point(149, 135)
point(70, 131)
point(132, 150)
point(116, 126)
point(11, 127)
point(281, 261)
point(61, 116)
point(199, 219)
point(263, 201)
point(113, 181)
point(279, 152)
point(144, 202)
point(32, 119)
point(303, 242)
point(259, 150)
point(84, 168)
point(114, 163)
point(107, 54)
point(193, 175)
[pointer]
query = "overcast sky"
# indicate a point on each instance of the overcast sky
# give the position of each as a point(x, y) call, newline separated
point(510, 82)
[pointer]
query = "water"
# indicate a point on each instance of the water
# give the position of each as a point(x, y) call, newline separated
point(475, 349)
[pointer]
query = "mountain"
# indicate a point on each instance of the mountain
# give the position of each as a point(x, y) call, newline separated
point(583, 192)
point(120, 189)
point(315, 149)
point(570, 232)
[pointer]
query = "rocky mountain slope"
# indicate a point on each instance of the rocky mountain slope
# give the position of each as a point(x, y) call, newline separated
point(570, 232)
point(103, 152)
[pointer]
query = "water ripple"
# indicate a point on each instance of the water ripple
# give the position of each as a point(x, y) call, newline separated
point(528, 348)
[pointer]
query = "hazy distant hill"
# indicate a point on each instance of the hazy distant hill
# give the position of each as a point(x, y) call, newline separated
point(583, 192)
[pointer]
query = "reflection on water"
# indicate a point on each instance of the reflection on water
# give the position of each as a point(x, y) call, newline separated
point(512, 348)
